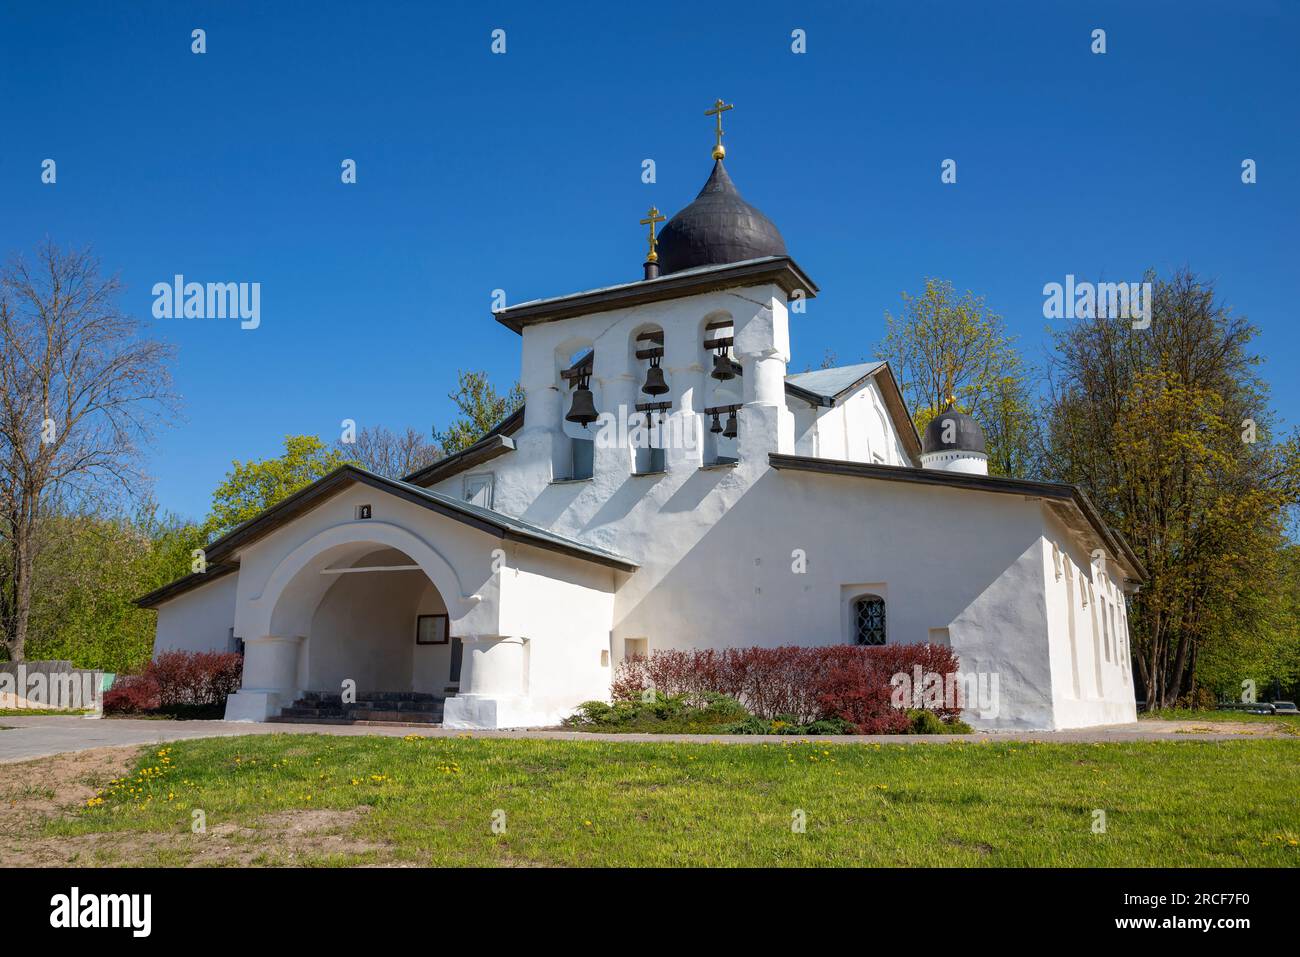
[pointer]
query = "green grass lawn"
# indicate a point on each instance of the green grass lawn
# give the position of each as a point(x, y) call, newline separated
point(431, 801)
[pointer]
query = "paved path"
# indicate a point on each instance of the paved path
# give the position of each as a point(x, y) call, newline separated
point(24, 738)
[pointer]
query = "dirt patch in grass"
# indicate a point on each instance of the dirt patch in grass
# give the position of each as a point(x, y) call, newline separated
point(1262, 729)
point(32, 792)
point(35, 793)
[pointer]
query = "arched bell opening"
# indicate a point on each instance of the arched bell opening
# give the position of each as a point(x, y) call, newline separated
point(646, 431)
point(581, 403)
point(722, 389)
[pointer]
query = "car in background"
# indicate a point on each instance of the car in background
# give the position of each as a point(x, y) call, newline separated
point(1285, 707)
point(1248, 707)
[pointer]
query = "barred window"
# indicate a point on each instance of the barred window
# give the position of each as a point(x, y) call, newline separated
point(869, 620)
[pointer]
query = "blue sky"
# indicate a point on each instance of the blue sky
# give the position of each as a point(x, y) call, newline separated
point(523, 171)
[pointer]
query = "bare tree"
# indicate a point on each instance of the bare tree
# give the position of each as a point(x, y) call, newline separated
point(389, 453)
point(81, 392)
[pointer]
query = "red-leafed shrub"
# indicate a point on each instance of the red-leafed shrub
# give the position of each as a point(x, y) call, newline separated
point(177, 678)
point(131, 694)
point(858, 684)
point(850, 682)
point(196, 677)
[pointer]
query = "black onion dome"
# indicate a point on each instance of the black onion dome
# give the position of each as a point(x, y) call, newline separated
point(718, 227)
point(967, 436)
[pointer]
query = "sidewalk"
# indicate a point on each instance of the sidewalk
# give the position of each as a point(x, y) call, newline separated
point(24, 738)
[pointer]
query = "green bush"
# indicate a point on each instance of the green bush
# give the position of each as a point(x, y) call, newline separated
point(665, 714)
point(711, 713)
point(927, 722)
point(831, 726)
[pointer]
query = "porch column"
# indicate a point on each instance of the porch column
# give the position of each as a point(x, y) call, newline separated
point(270, 678)
point(494, 679)
point(493, 665)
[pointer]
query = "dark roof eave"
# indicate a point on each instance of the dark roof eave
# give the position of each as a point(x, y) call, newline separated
point(329, 485)
point(980, 483)
point(485, 449)
point(181, 585)
point(781, 270)
point(807, 395)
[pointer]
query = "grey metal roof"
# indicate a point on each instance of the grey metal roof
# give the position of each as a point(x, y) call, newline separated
point(829, 383)
point(524, 529)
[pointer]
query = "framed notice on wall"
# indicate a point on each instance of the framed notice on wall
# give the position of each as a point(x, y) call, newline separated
point(431, 630)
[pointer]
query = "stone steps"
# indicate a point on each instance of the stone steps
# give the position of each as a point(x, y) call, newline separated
point(414, 708)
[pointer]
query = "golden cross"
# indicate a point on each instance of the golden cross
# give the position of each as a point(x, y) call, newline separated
point(718, 109)
point(652, 217)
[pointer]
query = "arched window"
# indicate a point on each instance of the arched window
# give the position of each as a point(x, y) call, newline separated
point(869, 620)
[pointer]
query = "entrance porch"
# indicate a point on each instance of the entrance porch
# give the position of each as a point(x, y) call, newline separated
point(361, 597)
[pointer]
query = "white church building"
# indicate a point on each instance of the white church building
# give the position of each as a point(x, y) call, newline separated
point(507, 581)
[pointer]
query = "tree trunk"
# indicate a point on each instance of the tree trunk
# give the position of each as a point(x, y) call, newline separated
point(22, 592)
point(1180, 665)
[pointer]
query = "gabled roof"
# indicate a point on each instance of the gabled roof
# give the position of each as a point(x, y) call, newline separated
point(484, 519)
point(781, 270)
point(833, 384)
point(1066, 498)
point(496, 442)
point(494, 523)
point(829, 387)
point(182, 585)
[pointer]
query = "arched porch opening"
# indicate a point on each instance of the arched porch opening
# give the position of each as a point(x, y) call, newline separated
point(380, 610)
point(380, 623)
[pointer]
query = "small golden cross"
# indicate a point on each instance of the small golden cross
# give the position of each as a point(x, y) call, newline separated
point(652, 217)
point(718, 109)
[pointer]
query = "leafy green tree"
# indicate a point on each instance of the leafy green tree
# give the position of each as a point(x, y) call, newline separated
point(1262, 644)
point(250, 488)
point(481, 408)
point(88, 572)
point(946, 347)
point(1168, 430)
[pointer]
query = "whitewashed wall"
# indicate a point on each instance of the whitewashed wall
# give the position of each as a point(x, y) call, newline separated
point(1092, 679)
point(858, 429)
point(199, 619)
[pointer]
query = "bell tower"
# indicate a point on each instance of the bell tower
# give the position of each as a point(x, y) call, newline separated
point(712, 298)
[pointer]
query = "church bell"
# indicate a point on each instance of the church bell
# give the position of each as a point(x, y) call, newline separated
point(583, 410)
point(722, 366)
point(716, 427)
point(655, 384)
point(730, 431)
